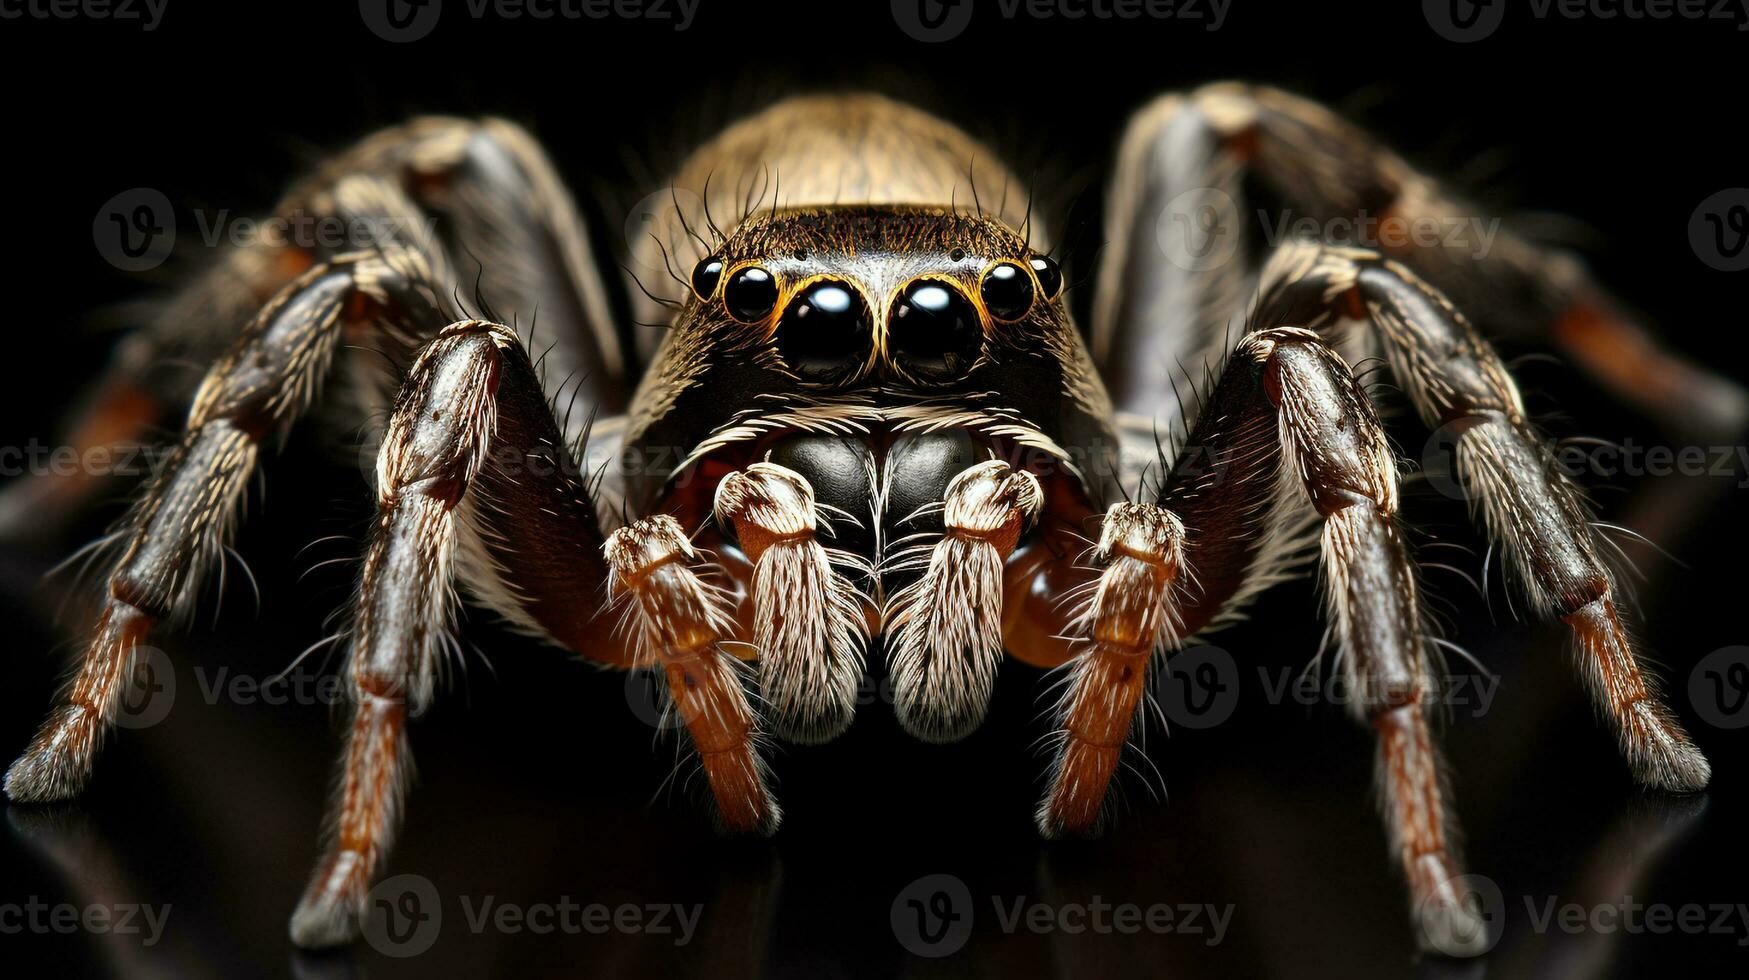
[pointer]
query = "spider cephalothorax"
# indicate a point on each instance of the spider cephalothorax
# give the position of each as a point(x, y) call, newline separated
point(868, 423)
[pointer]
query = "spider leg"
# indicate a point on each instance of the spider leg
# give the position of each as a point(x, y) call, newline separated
point(1454, 378)
point(679, 622)
point(435, 443)
point(1177, 188)
point(945, 627)
point(176, 529)
point(476, 487)
point(1332, 440)
point(1287, 411)
point(1132, 613)
point(505, 216)
point(521, 246)
point(809, 627)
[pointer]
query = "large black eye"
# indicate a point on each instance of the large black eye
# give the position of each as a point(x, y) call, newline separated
point(1007, 291)
point(705, 275)
point(750, 294)
point(825, 334)
point(934, 331)
point(1050, 276)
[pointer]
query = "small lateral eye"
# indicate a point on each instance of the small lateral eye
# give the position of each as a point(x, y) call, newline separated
point(751, 294)
point(1007, 291)
point(705, 276)
point(1050, 276)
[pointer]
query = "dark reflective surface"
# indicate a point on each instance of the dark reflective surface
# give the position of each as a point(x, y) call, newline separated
point(539, 784)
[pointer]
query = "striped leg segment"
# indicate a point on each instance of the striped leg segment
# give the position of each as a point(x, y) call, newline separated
point(1161, 576)
point(1132, 615)
point(1332, 439)
point(678, 622)
point(436, 443)
point(472, 477)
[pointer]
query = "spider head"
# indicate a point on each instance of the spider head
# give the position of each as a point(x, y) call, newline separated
point(841, 337)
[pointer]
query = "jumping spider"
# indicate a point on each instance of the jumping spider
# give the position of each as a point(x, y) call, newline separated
point(885, 426)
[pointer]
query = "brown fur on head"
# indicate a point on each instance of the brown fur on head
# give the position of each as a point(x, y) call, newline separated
point(821, 150)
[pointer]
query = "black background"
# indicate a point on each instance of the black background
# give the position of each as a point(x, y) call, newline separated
point(536, 782)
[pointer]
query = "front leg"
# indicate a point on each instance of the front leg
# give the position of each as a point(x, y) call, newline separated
point(678, 622)
point(1286, 404)
point(1132, 614)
